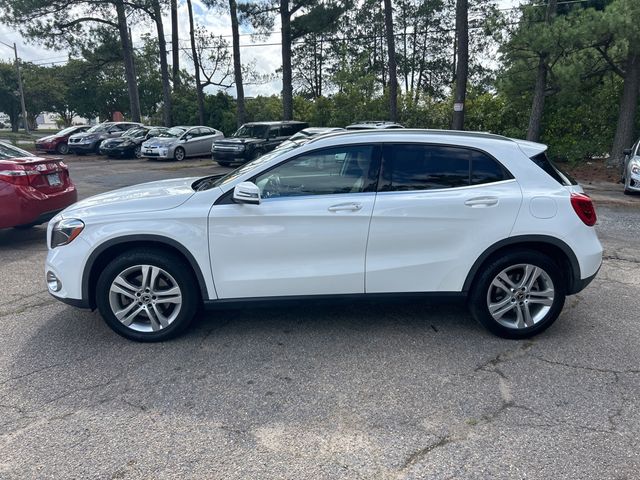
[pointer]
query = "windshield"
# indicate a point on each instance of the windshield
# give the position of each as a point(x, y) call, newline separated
point(173, 132)
point(98, 128)
point(66, 131)
point(9, 151)
point(134, 132)
point(217, 181)
point(252, 131)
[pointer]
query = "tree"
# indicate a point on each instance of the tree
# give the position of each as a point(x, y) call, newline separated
point(311, 16)
point(175, 46)
point(74, 23)
point(391, 50)
point(462, 67)
point(539, 91)
point(196, 64)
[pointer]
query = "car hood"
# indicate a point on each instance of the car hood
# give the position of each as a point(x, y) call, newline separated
point(145, 197)
point(47, 139)
point(161, 141)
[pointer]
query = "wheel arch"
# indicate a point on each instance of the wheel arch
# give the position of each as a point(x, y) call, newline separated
point(555, 248)
point(108, 250)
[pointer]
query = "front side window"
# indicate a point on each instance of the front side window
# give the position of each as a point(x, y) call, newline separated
point(348, 169)
point(430, 167)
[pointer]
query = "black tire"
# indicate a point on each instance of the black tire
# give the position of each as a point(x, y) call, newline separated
point(96, 149)
point(137, 152)
point(484, 291)
point(62, 148)
point(223, 164)
point(180, 273)
point(179, 154)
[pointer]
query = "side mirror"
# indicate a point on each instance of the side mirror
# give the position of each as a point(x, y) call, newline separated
point(246, 192)
point(627, 151)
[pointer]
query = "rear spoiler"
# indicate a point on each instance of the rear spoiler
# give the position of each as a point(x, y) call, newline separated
point(530, 149)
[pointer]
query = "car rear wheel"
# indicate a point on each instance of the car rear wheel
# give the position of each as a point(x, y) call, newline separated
point(518, 295)
point(179, 154)
point(62, 148)
point(138, 151)
point(147, 295)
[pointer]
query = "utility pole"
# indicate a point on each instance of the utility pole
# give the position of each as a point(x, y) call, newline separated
point(24, 110)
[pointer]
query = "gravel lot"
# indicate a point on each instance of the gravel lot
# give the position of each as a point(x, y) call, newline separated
point(362, 390)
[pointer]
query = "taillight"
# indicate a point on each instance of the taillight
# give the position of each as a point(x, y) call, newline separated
point(19, 176)
point(583, 206)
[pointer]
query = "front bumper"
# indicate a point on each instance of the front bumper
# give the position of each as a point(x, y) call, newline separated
point(158, 152)
point(83, 147)
point(117, 150)
point(45, 147)
point(67, 263)
point(634, 182)
point(229, 156)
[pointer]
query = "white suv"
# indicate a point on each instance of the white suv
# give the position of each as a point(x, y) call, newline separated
point(402, 212)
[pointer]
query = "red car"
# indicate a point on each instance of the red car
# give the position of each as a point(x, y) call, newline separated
point(59, 142)
point(32, 189)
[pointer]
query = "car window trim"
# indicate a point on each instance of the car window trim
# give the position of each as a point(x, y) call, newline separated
point(381, 184)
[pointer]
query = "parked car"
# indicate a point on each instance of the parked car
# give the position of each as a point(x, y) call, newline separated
point(303, 136)
point(130, 143)
point(373, 125)
point(362, 214)
point(89, 141)
point(32, 189)
point(252, 140)
point(631, 174)
point(178, 143)
point(58, 141)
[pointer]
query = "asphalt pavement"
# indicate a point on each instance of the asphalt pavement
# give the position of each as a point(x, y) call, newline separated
point(351, 391)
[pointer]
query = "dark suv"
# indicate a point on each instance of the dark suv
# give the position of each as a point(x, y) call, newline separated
point(252, 140)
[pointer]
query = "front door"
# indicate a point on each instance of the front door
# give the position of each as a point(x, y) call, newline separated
point(308, 235)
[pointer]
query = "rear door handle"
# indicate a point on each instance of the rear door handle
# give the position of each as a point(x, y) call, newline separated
point(480, 202)
point(342, 207)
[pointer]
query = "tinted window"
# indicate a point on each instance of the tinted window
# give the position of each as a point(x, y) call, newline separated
point(424, 167)
point(274, 132)
point(429, 167)
point(485, 169)
point(288, 130)
point(548, 166)
point(328, 171)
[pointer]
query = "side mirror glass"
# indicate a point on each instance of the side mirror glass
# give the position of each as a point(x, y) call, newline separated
point(246, 192)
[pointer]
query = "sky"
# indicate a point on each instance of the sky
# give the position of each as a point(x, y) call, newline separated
point(265, 58)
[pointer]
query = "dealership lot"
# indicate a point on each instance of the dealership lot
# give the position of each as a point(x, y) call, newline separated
point(363, 390)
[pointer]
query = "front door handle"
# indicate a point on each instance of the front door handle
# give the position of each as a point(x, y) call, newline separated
point(342, 207)
point(479, 202)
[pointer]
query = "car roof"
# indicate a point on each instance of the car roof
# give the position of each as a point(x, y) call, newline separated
point(374, 124)
point(281, 122)
point(441, 136)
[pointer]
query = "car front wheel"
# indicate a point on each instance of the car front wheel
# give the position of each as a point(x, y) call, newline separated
point(62, 148)
point(518, 295)
point(147, 295)
point(179, 154)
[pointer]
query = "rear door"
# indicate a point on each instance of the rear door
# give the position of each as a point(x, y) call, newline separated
point(438, 208)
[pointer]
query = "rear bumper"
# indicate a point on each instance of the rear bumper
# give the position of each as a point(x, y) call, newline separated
point(581, 284)
point(23, 206)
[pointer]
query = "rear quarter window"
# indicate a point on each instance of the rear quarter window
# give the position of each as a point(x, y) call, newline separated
point(563, 178)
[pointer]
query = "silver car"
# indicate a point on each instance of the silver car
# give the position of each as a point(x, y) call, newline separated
point(631, 174)
point(181, 142)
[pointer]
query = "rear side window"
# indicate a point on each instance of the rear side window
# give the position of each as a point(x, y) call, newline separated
point(548, 166)
point(429, 167)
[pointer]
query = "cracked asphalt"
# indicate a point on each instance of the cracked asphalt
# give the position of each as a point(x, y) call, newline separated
point(350, 391)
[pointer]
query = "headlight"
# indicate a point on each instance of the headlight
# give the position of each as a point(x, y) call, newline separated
point(65, 231)
point(635, 168)
point(239, 148)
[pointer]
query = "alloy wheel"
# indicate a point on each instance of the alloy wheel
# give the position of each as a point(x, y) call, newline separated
point(520, 296)
point(145, 298)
